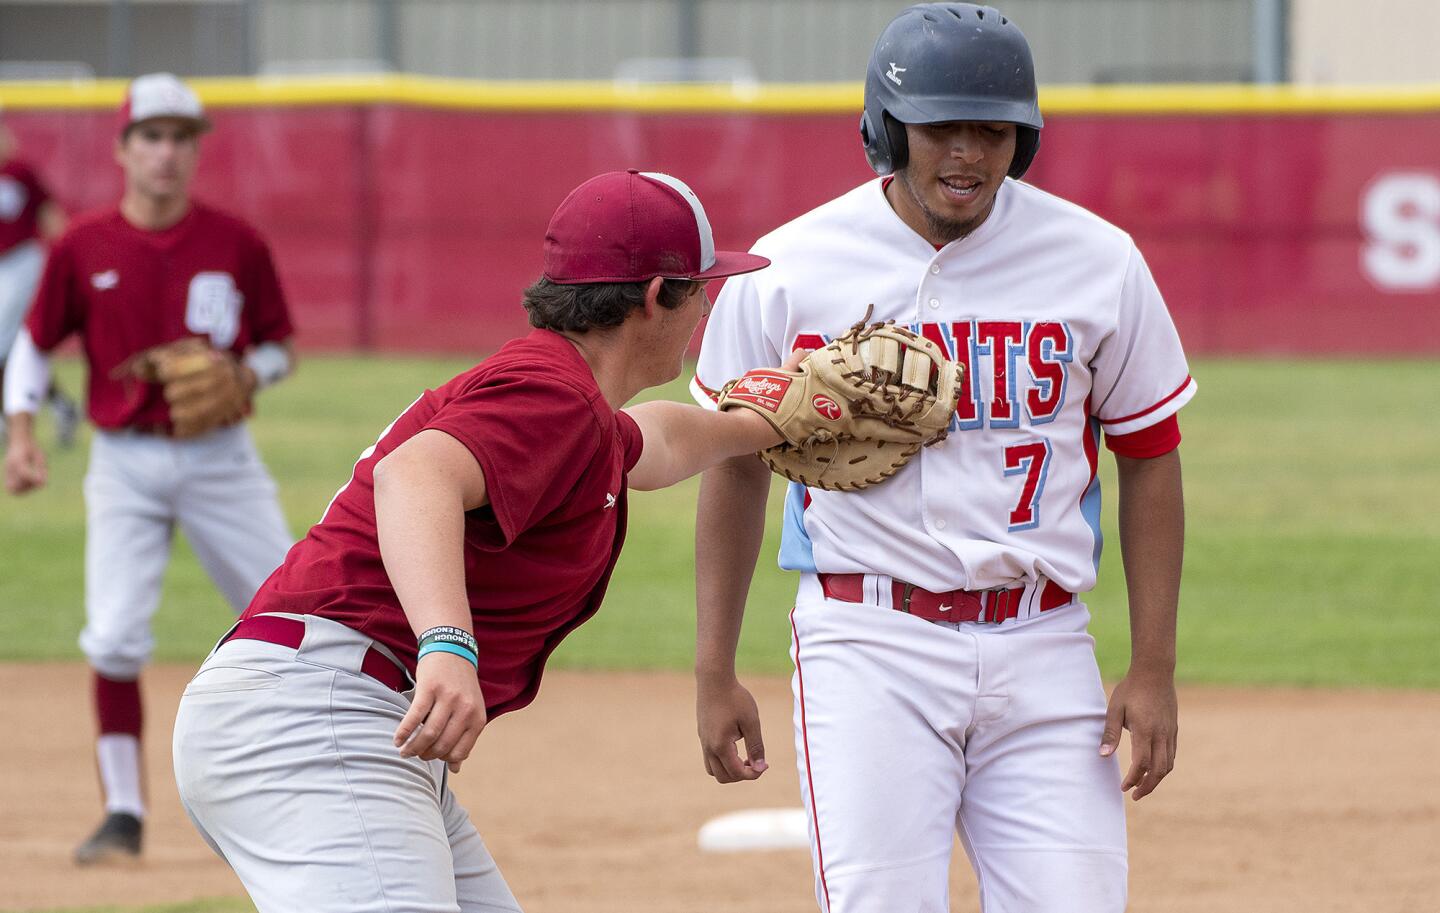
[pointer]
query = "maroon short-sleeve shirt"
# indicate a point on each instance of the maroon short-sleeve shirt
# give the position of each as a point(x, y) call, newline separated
point(125, 289)
point(21, 196)
point(537, 557)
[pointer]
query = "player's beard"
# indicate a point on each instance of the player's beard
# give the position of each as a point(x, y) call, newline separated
point(941, 228)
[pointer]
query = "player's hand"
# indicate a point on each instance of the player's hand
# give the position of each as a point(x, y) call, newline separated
point(447, 714)
point(24, 466)
point(1145, 704)
point(725, 713)
point(792, 363)
point(771, 436)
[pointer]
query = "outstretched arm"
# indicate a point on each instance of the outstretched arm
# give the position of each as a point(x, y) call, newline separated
point(1152, 542)
point(682, 440)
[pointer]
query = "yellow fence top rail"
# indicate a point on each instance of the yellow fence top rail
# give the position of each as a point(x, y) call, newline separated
point(777, 98)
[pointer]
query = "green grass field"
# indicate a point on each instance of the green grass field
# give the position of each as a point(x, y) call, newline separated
point(1311, 487)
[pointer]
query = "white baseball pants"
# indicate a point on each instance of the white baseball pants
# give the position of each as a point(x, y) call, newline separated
point(138, 489)
point(909, 732)
point(285, 763)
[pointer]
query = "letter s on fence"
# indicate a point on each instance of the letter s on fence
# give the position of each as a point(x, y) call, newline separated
point(1400, 216)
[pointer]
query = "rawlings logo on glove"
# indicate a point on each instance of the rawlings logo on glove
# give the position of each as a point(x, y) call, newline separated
point(765, 389)
point(826, 406)
point(855, 411)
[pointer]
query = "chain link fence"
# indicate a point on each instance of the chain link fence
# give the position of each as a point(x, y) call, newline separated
point(1075, 41)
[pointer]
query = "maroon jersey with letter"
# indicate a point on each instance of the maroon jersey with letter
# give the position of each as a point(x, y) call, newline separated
point(537, 557)
point(126, 289)
point(21, 196)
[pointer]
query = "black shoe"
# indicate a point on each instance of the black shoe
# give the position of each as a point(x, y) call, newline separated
point(117, 838)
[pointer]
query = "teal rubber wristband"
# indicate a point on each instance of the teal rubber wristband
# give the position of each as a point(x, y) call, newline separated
point(442, 647)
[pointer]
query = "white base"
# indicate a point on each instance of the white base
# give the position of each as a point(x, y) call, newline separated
point(756, 829)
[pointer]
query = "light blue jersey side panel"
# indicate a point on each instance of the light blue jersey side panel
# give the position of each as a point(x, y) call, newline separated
point(1090, 501)
point(797, 552)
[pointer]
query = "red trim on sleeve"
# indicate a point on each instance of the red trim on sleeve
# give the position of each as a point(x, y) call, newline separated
point(1147, 443)
point(1144, 412)
point(709, 391)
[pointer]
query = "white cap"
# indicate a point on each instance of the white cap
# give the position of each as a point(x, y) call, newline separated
point(161, 95)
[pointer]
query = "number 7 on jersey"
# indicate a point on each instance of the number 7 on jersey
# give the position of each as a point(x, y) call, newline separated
point(1032, 461)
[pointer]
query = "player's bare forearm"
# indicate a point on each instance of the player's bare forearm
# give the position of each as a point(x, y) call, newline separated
point(729, 527)
point(25, 468)
point(20, 426)
point(422, 491)
point(682, 440)
point(728, 532)
point(1152, 541)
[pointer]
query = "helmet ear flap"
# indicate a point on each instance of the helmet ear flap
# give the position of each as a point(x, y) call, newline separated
point(899, 145)
point(885, 144)
point(1027, 143)
point(877, 148)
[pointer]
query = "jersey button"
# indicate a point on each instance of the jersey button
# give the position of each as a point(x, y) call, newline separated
point(939, 524)
point(934, 302)
point(934, 269)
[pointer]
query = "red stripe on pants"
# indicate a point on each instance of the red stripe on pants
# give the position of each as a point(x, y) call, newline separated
point(810, 780)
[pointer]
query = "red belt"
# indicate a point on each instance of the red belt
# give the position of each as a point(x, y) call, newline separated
point(992, 606)
point(288, 632)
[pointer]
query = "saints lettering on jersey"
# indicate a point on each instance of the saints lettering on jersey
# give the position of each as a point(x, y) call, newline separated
point(1015, 371)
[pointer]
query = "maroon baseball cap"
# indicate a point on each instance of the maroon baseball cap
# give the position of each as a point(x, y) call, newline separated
point(631, 226)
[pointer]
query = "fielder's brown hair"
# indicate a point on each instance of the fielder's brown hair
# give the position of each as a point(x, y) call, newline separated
point(595, 306)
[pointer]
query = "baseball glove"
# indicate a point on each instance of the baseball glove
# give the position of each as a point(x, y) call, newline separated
point(201, 384)
point(857, 410)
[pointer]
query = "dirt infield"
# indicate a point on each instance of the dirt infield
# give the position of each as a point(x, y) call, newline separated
point(1283, 800)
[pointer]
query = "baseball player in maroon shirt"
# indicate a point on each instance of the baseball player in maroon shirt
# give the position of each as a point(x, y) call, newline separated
point(30, 218)
point(313, 746)
point(157, 268)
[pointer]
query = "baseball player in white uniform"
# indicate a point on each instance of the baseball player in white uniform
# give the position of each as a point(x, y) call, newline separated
point(158, 268)
point(30, 218)
point(944, 680)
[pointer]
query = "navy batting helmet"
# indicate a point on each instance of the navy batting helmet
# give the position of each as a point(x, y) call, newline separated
point(939, 62)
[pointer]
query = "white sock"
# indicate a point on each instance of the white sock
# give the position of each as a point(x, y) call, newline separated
point(119, 757)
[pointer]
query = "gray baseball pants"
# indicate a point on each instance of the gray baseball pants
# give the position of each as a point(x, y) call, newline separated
point(286, 764)
point(139, 488)
point(20, 268)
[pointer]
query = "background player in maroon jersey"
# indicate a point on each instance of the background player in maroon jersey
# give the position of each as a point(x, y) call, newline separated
point(29, 219)
point(157, 268)
point(478, 531)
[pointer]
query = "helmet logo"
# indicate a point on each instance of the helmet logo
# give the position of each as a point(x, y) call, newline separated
point(894, 74)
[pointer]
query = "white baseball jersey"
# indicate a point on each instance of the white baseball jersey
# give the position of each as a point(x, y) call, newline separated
point(1062, 334)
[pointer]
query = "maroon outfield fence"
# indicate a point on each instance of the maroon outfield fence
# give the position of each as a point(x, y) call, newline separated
point(1276, 222)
